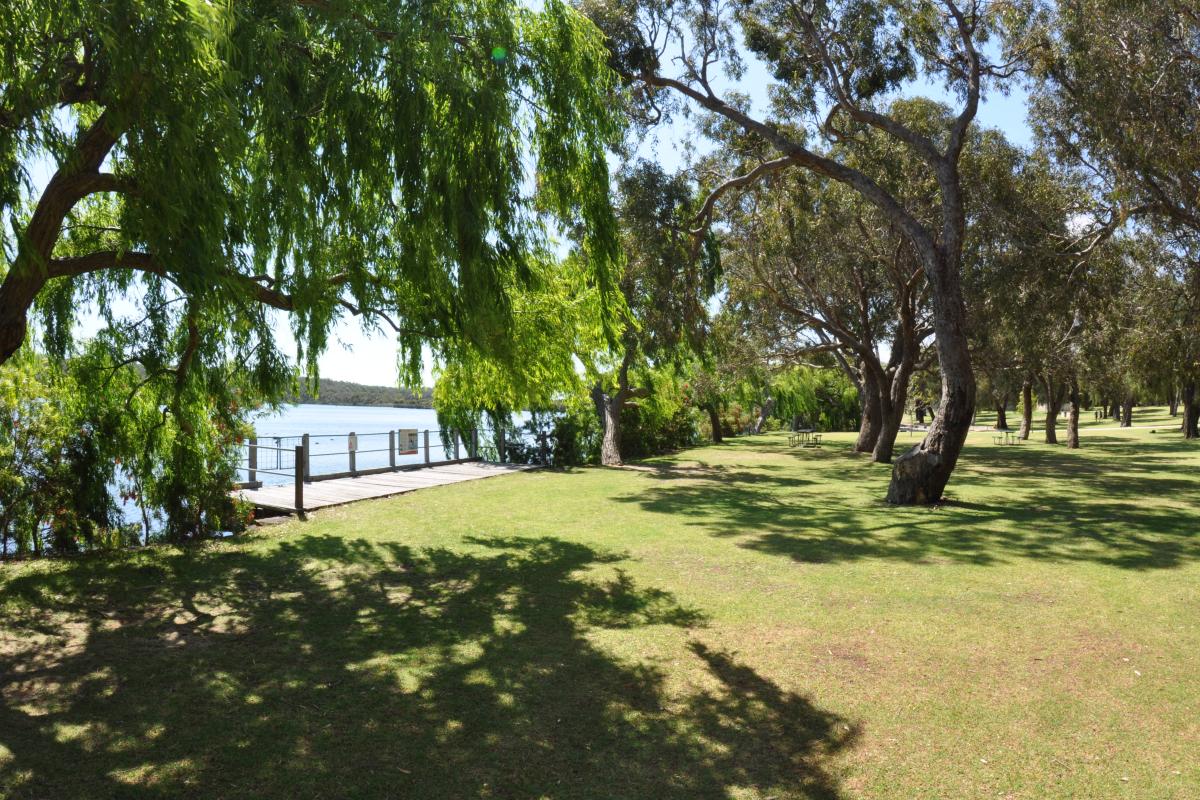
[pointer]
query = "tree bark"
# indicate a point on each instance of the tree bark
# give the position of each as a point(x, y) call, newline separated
point(1127, 412)
point(890, 419)
point(1053, 403)
point(868, 429)
point(714, 419)
point(1026, 408)
point(608, 409)
point(1073, 418)
point(892, 399)
point(764, 413)
point(78, 177)
point(921, 474)
point(1001, 417)
point(1191, 411)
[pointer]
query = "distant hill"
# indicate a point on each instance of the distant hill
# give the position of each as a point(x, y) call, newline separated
point(345, 393)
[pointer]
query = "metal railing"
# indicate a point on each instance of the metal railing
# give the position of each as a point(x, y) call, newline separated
point(349, 455)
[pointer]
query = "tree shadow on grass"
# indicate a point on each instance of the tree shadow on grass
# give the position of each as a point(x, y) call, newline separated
point(326, 667)
point(1041, 503)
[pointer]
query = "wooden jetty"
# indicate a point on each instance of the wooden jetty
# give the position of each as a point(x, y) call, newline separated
point(338, 491)
point(305, 489)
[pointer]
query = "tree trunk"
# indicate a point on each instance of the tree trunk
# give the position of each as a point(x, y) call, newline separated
point(1001, 417)
point(1073, 419)
point(891, 406)
point(16, 296)
point(921, 474)
point(714, 419)
point(764, 413)
point(608, 410)
point(1127, 412)
point(1191, 411)
point(1053, 401)
point(1173, 403)
point(868, 429)
point(890, 418)
point(1026, 408)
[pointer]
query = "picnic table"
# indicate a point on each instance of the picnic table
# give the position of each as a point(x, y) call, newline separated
point(1007, 437)
point(805, 437)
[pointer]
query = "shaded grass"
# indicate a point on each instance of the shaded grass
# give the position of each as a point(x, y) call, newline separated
point(739, 621)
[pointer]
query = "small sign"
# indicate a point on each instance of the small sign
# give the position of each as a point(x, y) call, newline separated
point(408, 441)
point(352, 442)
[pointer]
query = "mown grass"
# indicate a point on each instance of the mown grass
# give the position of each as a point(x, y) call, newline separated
point(739, 621)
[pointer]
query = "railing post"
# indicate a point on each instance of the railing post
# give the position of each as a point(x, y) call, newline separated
point(500, 442)
point(353, 442)
point(426, 445)
point(301, 453)
point(392, 449)
point(475, 443)
point(307, 459)
point(252, 458)
point(454, 436)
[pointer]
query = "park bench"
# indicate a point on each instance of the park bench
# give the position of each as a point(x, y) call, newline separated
point(813, 440)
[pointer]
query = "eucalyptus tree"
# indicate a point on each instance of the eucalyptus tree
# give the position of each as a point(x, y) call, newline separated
point(1117, 91)
point(834, 63)
point(1025, 287)
point(1158, 322)
point(820, 261)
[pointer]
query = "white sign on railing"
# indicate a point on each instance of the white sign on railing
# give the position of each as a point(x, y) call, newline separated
point(352, 442)
point(408, 441)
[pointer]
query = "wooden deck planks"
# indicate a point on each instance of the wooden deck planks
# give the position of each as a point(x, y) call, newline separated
point(322, 494)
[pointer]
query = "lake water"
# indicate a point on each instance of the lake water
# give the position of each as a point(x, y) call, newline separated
point(324, 419)
point(329, 427)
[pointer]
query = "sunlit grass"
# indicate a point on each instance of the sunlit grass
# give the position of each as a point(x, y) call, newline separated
point(741, 621)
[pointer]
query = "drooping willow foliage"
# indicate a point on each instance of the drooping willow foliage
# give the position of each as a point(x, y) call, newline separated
point(823, 399)
point(187, 170)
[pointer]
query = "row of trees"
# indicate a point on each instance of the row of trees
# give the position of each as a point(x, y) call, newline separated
point(858, 219)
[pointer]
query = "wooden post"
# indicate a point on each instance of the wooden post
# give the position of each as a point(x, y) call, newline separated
point(301, 453)
point(353, 442)
point(307, 461)
point(426, 445)
point(475, 443)
point(392, 449)
point(252, 458)
point(454, 436)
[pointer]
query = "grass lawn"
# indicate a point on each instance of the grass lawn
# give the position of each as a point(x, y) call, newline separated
point(740, 621)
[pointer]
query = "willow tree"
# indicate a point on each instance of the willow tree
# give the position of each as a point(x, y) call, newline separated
point(317, 157)
point(834, 63)
point(188, 171)
point(557, 324)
